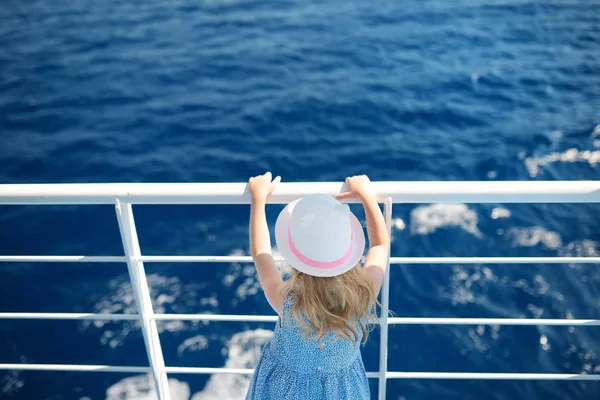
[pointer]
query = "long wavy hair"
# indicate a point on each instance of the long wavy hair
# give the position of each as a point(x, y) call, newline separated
point(324, 304)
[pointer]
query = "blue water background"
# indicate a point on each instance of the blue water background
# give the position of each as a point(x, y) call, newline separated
point(216, 91)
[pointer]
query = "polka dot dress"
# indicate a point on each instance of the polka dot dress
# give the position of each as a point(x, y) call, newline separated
point(292, 367)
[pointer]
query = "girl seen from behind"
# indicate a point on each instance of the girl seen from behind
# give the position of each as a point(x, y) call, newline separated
point(325, 307)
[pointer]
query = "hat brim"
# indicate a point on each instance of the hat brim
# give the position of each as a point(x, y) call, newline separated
point(282, 227)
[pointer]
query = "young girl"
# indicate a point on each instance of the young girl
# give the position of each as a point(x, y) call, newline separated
point(325, 306)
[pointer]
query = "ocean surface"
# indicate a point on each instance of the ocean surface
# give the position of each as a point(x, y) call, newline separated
point(218, 90)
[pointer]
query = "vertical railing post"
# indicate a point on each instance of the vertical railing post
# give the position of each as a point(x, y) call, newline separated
point(385, 304)
point(142, 297)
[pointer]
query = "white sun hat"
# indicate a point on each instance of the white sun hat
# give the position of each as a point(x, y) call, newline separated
point(319, 236)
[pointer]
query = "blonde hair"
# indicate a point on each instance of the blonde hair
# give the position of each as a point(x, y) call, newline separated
point(332, 303)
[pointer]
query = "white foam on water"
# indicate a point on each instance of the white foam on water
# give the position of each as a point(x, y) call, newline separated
point(11, 383)
point(465, 282)
point(478, 339)
point(533, 236)
point(398, 224)
point(581, 248)
point(471, 284)
point(427, 219)
point(237, 253)
point(482, 336)
point(243, 352)
point(168, 294)
point(544, 342)
point(234, 268)
point(141, 387)
point(499, 212)
point(533, 164)
point(246, 272)
point(583, 351)
point(536, 312)
point(195, 343)
point(537, 287)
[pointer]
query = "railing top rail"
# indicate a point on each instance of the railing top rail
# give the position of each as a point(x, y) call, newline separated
point(248, 259)
point(248, 371)
point(235, 193)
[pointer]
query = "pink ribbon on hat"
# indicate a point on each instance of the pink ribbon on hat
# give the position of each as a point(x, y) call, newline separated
point(318, 264)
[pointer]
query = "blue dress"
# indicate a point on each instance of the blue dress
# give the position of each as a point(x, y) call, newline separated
point(292, 367)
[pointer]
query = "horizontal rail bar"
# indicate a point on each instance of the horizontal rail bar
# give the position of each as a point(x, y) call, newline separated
point(400, 260)
point(248, 259)
point(73, 367)
point(273, 318)
point(129, 369)
point(494, 260)
point(80, 316)
point(494, 321)
point(215, 317)
point(133, 317)
point(199, 370)
point(484, 375)
point(236, 193)
point(390, 375)
point(199, 259)
point(109, 259)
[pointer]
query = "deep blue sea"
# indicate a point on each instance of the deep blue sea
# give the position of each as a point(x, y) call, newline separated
point(218, 90)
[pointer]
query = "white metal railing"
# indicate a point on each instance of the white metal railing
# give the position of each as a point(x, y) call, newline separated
point(123, 195)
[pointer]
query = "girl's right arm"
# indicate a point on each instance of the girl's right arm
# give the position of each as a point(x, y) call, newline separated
point(379, 239)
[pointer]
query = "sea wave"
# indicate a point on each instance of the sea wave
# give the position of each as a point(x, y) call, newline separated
point(168, 295)
point(243, 351)
point(142, 387)
point(591, 157)
point(428, 219)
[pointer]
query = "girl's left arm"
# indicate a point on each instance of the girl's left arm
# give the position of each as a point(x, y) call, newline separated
point(260, 241)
